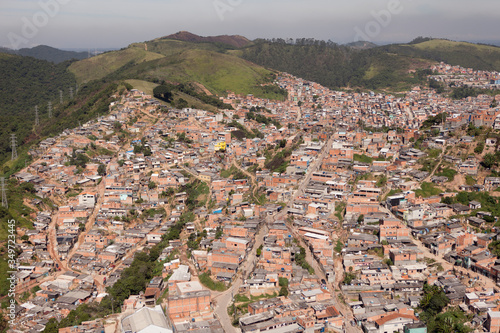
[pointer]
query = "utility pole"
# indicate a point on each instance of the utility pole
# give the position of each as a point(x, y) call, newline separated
point(13, 141)
point(5, 204)
point(49, 108)
point(71, 92)
point(60, 96)
point(37, 120)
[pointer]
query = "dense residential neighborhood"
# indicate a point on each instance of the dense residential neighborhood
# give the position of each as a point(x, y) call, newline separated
point(336, 211)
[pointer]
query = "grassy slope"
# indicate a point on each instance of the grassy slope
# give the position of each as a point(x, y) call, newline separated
point(177, 61)
point(144, 86)
point(106, 63)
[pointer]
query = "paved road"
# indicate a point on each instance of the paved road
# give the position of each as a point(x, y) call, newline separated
point(312, 168)
point(223, 300)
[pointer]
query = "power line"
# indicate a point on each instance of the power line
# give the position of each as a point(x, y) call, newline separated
point(13, 142)
point(5, 204)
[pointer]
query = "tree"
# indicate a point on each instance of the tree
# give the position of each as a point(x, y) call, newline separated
point(489, 160)
point(434, 300)
point(52, 326)
point(348, 277)
point(361, 218)
point(479, 148)
point(151, 185)
point(182, 103)
point(283, 291)
point(447, 200)
point(101, 170)
point(219, 232)
point(163, 92)
point(259, 251)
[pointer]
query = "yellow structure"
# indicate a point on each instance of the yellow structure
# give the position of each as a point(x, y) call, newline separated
point(220, 146)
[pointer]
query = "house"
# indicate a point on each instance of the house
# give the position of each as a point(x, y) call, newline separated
point(394, 322)
point(146, 320)
point(87, 199)
point(474, 205)
point(493, 321)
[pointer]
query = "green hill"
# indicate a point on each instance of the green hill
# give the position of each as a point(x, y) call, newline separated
point(27, 82)
point(477, 56)
point(337, 66)
point(391, 67)
point(105, 64)
point(179, 62)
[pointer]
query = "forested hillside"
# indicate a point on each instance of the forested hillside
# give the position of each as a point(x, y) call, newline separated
point(337, 66)
point(393, 67)
point(27, 82)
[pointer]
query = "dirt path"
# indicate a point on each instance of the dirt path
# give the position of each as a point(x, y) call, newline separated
point(90, 222)
point(202, 87)
point(52, 242)
point(437, 165)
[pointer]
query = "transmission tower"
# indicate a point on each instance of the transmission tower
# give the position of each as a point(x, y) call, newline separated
point(37, 120)
point(5, 204)
point(49, 108)
point(60, 96)
point(71, 92)
point(13, 141)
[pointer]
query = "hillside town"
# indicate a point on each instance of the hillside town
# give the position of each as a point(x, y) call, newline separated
point(335, 211)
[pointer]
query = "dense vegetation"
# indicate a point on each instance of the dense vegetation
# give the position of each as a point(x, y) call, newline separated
point(262, 119)
point(438, 119)
point(432, 304)
point(27, 82)
point(333, 65)
point(387, 66)
point(300, 259)
point(208, 282)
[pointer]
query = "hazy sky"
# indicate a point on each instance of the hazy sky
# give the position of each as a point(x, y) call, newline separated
point(117, 23)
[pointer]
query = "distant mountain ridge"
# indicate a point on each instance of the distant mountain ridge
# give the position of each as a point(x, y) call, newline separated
point(233, 40)
point(361, 45)
point(48, 53)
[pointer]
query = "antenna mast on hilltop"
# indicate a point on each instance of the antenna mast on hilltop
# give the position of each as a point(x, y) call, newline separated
point(37, 120)
point(13, 141)
point(5, 204)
